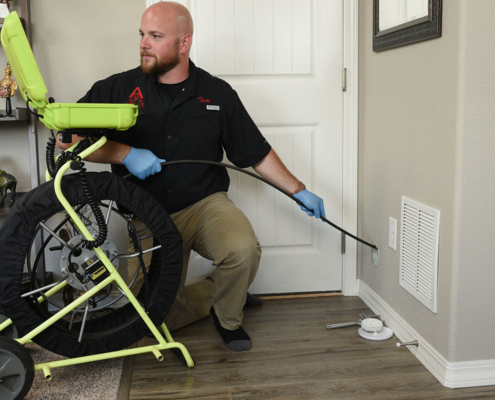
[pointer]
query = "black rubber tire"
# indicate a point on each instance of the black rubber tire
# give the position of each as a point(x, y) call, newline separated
point(16, 370)
point(164, 273)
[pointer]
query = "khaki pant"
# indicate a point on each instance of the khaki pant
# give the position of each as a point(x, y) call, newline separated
point(217, 230)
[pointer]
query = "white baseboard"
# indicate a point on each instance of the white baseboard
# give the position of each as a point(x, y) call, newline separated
point(450, 374)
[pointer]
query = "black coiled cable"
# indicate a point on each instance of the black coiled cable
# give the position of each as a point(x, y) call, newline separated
point(100, 218)
point(63, 158)
point(78, 165)
point(50, 157)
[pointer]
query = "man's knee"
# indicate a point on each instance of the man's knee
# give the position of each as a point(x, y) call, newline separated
point(239, 250)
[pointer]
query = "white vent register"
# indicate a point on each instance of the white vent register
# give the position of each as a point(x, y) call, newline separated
point(420, 227)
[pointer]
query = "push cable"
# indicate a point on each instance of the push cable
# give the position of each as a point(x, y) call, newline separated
point(167, 163)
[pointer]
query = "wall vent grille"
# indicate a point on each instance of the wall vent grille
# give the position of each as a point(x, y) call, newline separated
point(420, 229)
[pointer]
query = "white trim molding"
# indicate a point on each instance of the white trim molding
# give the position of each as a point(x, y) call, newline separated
point(350, 143)
point(450, 374)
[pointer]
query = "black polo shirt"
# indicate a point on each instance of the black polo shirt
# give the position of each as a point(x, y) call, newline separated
point(205, 118)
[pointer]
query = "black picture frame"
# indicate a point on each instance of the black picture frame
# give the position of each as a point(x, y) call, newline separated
point(425, 28)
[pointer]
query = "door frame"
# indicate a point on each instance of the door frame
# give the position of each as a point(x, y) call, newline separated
point(350, 101)
point(350, 141)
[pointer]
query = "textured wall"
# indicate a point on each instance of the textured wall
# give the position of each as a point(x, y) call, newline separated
point(75, 44)
point(473, 291)
point(14, 152)
point(427, 132)
point(408, 124)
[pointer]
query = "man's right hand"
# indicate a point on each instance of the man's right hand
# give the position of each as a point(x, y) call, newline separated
point(142, 163)
point(314, 204)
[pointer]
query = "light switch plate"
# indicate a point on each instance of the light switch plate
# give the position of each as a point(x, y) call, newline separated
point(392, 233)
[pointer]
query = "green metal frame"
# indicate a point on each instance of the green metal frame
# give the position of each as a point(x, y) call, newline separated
point(63, 116)
point(165, 341)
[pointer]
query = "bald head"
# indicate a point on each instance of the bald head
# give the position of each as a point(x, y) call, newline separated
point(166, 37)
point(173, 14)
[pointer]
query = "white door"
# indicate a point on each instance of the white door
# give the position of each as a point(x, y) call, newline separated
point(284, 58)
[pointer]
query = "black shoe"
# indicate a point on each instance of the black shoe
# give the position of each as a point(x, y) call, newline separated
point(237, 340)
point(253, 301)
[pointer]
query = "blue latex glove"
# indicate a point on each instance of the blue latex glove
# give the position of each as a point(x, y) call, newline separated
point(312, 202)
point(142, 163)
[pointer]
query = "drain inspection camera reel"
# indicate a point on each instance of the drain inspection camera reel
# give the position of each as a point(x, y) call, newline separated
point(89, 313)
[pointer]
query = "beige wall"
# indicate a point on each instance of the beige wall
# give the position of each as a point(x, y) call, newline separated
point(75, 44)
point(426, 132)
point(14, 153)
point(473, 286)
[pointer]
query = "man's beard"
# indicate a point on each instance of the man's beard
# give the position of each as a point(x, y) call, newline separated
point(160, 67)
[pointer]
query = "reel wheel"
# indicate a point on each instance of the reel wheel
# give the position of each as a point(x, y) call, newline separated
point(105, 332)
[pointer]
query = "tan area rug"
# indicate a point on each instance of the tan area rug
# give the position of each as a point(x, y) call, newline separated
point(99, 380)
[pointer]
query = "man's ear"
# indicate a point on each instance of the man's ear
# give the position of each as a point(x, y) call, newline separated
point(185, 43)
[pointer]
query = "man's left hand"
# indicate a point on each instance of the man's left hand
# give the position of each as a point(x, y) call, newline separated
point(313, 203)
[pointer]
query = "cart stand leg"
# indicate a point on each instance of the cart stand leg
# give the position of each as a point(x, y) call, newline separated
point(167, 334)
point(5, 324)
point(115, 354)
point(46, 371)
point(157, 353)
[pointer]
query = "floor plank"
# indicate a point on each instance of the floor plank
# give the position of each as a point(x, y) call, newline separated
point(294, 356)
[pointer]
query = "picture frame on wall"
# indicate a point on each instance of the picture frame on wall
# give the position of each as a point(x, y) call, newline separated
point(402, 22)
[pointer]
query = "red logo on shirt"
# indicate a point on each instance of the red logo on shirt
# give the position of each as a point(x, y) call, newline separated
point(201, 100)
point(136, 98)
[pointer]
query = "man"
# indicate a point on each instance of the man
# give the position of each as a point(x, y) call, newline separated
point(185, 113)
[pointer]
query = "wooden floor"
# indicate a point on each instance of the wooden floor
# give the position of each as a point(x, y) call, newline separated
point(294, 356)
